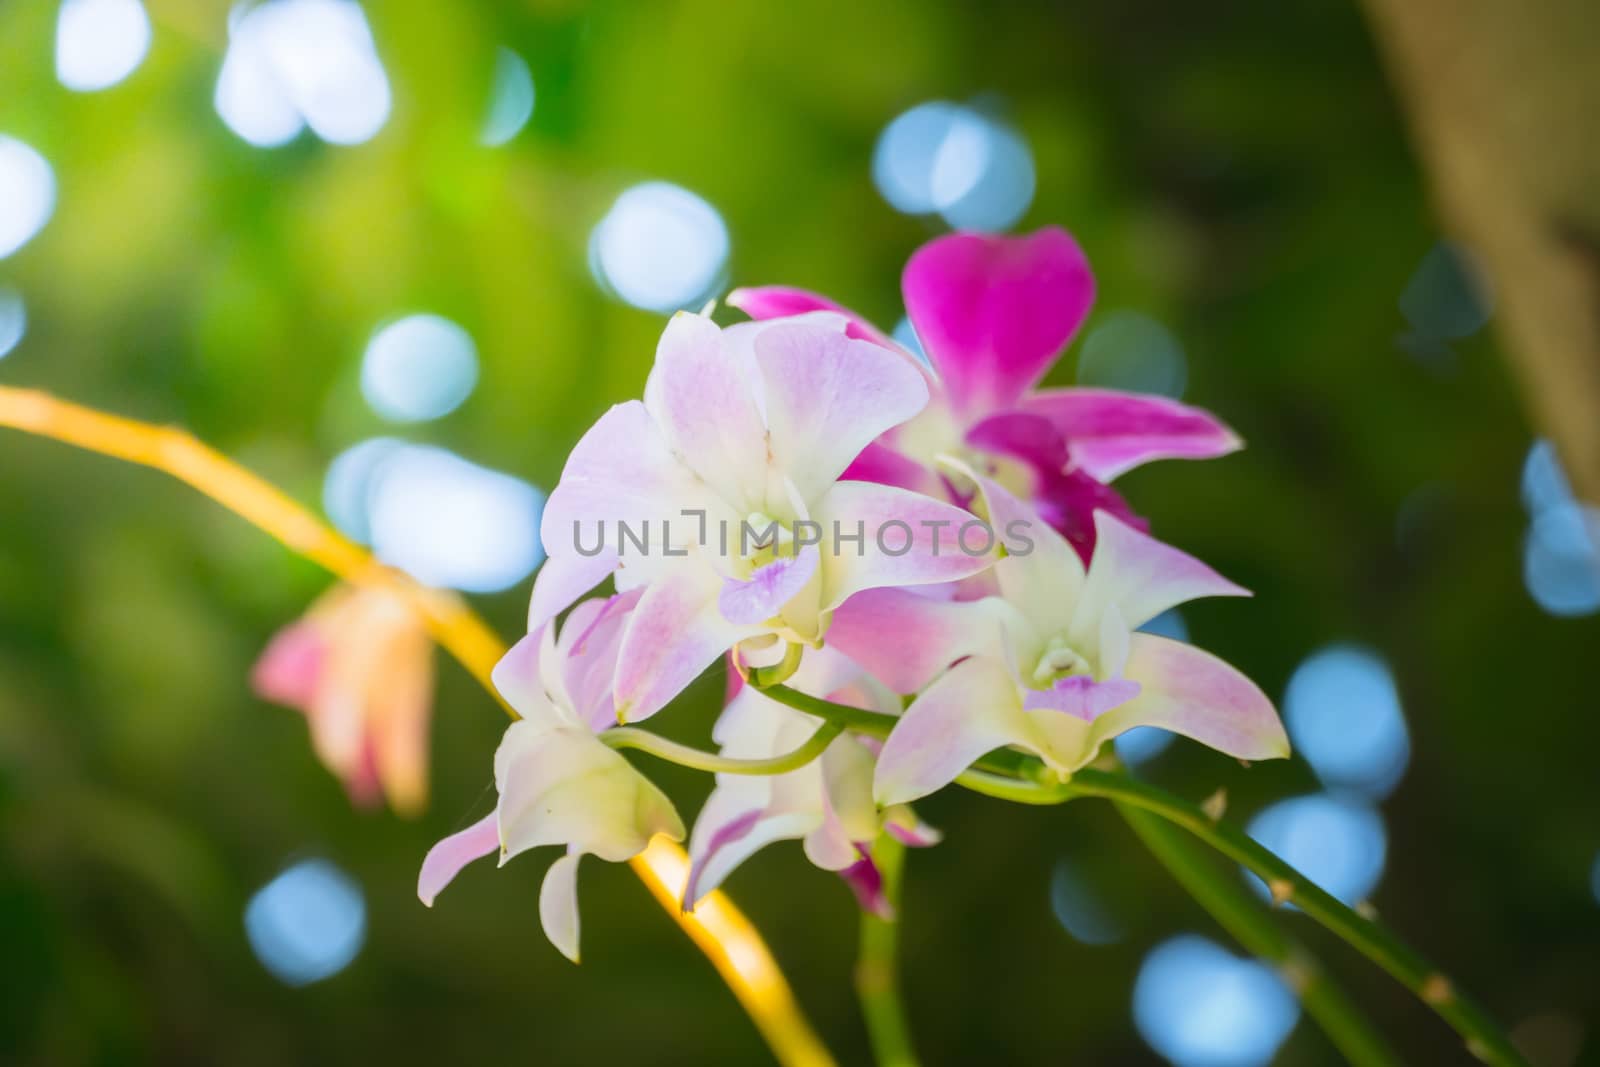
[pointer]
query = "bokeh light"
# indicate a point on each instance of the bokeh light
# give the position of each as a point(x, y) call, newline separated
point(449, 522)
point(1561, 560)
point(510, 98)
point(1561, 553)
point(1594, 879)
point(1336, 840)
point(419, 367)
point(1130, 350)
point(1200, 1006)
point(905, 335)
point(1343, 714)
point(957, 162)
point(297, 63)
point(27, 194)
point(660, 247)
point(1447, 299)
point(1082, 906)
point(347, 487)
point(99, 42)
point(308, 923)
point(13, 320)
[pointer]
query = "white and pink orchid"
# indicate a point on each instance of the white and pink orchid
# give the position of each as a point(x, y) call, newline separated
point(827, 804)
point(993, 315)
point(558, 784)
point(1053, 665)
point(741, 429)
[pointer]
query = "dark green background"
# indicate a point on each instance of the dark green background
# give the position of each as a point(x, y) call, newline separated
point(1238, 170)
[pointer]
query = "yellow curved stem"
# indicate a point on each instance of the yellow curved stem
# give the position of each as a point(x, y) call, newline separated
point(718, 928)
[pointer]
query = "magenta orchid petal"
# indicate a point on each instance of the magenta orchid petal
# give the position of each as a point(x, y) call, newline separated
point(866, 882)
point(972, 709)
point(827, 397)
point(1081, 696)
point(1191, 692)
point(905, 539)
point(882, 464)
point(1031, 438)
point(714, 832)
point(701, 395)
point(993, 313)
point(1109, 432)
point(768, 589)
point(675, 632)
point(1140, 577)
point(1068, 501)
point(905, 639)
point(782, 301)
point(446, 859)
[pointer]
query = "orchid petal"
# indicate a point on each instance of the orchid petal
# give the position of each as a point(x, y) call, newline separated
point(906, 539)
point(769, 588)
point(972, 709)
point(866, 882)
point(827, 397)
point(702, 397)
point(1041, 575)
point(1021, 435)
point(1082, 697)
point(565, 578)
point(518, 678)
point(445, 859)
point(882, 464)
point(558, 905)
point(993, 313)
point(591, 638)
point(782, 301)
point(1191, 692)
point(1109, 432)
point(1139, 576)
point(905, 639)
point(675, 632)
point(562, 786)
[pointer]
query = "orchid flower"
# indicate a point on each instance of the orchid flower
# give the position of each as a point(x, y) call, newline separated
point(558, 784)
point(993, 315)
point(742, 432)
point(827, 804)
point(359, 666)
point(1053, 665)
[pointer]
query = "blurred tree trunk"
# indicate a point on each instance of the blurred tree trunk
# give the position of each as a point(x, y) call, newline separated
point(1503, 98)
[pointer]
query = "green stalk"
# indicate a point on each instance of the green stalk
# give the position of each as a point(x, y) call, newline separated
point(1251, 924)
point(878, 966)
point(1023, 779)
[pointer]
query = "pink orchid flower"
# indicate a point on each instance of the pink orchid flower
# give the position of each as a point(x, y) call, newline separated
point(1053, 665)
point(558, 784)
point(741, 430)
point(993, 315)
point(827, 804)
point(359, 666)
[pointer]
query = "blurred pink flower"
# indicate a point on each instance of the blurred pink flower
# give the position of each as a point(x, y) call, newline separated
point(359, 665)
point(993, 315)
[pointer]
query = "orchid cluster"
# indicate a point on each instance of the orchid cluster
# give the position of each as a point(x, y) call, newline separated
point(934, 540)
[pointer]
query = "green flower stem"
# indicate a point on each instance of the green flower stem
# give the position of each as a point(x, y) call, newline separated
point(683, 755)
point(1251, 924)
point(1012, 776)
point(877, 965)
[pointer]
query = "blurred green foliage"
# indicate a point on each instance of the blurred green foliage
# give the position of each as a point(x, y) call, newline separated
point(1237, 170)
